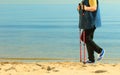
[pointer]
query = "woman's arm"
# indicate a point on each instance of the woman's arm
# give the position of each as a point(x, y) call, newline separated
point(92, 7)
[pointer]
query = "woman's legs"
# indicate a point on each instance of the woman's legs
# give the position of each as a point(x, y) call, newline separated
point(91, 45)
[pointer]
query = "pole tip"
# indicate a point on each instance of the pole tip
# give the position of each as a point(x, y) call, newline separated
point(84, 62)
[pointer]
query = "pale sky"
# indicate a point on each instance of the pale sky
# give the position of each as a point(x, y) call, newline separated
point(38, 1)
point(46, 1)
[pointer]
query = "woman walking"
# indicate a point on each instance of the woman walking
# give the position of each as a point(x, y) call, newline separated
point(90, 20)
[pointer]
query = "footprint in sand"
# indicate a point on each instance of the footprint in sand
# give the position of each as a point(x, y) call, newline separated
point(11, 68)
point(114, 65)
point(48, 68)
point(100, 71)
point(52, 69)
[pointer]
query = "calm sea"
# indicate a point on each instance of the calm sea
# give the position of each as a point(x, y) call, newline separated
point(51, 31)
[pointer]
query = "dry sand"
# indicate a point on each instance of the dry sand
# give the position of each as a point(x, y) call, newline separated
point(58, 68)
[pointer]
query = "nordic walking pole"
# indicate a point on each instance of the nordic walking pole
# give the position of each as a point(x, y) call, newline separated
point(84, 47)
point(80, 34)
point(84, 36)
point(80, 46)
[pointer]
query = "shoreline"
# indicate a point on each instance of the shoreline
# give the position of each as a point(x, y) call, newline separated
point(10, 59)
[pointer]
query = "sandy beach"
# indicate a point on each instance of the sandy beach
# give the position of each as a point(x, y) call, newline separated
point(58, 68)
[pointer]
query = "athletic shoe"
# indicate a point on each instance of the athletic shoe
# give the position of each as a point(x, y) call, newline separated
point(90, 62)
point(100, 56)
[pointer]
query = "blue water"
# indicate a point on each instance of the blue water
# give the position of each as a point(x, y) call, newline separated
point(51, 31)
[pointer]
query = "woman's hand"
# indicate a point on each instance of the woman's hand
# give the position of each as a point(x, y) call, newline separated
point(81, 7)
point(78, 8)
